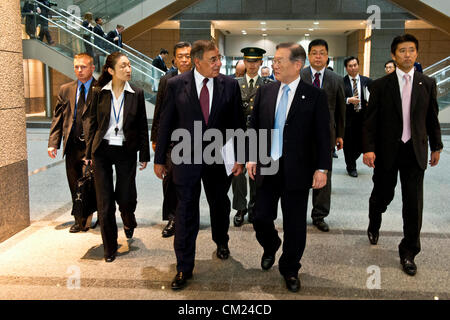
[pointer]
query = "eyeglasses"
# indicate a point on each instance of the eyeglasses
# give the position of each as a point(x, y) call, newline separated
point(318, 53)
point(277, 61)
point(213, 60)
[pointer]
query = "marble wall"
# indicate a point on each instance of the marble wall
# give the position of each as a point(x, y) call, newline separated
point(14, 201)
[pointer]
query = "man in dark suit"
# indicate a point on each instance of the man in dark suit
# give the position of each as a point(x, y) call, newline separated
point(401, 117)
point(356, 89)
point(115, 36)
point(67, 125)
point(299, 148)
point(182, 53)
point(99, 42)
point(319, 76)
point(197, 101)
point(158, 62)
point(43, 18)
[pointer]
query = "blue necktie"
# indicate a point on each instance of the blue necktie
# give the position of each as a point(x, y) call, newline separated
point(280, 118)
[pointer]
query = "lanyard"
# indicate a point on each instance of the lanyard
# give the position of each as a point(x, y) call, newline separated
point(117, 117)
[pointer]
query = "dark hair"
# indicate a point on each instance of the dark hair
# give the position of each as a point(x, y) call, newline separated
point(347, 60)
point(120, 26)
point(403, 38)
point(84, 55)
point(200, 46)
point(97, 19)
point(297, 51)
point(110, 62)
point(163, 51)
point(390, 61)
point(317, 42)
point(179, 45)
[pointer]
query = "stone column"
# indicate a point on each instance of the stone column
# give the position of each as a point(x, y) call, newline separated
point(14, 199)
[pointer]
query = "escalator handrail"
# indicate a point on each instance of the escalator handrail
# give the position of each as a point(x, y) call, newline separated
point(435, 64)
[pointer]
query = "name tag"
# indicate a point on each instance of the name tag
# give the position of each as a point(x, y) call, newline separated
point(116, 140)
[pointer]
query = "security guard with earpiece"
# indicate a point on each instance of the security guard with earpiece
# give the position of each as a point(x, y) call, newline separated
point(249, 84)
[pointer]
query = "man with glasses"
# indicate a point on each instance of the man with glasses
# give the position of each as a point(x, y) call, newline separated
point(389, 66)
point(182, 53)
point(202, 97)
point(67, 125)
point(319, 76)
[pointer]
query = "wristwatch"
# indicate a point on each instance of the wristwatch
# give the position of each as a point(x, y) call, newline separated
point(323, 171)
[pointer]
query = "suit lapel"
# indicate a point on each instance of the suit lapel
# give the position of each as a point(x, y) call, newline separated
point(296, 101)
point(127, 105)
point(89, 96)
point(273, 103)
point(348, 86)
point(73, 96)
point(396, 93)
point(191, 92)
point(415, 91)
point(216, 103)
point(307, 75)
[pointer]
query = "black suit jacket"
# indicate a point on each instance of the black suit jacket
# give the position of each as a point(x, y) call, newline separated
point(306, 135)
point(159, 100)
point(383, 121)
point(99, 31)
point(159, 63)
point(350, 109)
point(181, 107)
point(135, 126)
point(111, 35)
point(63, 114)
point(334, 88)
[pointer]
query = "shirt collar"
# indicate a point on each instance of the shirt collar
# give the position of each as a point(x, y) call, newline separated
point(357, 77)
point(293, 85)
point(87, 85)
point(198, 77)
point(314, 71)
point(254, 79)
point(400, 73)
point(127, 87)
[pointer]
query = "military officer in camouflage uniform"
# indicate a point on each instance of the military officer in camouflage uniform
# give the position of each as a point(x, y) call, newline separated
point(249, 83)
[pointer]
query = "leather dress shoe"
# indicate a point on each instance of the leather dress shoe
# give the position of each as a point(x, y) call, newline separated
point(353, 173)
point(180, 280)
point(222, 251)
point(77, 227)
point(169, 229)
point(292, 283)
point(409, 267)
point(111, 258)
point(373, 237)
point(321, 225)
point(268, 258)
point(239, 217)
point(129, 232)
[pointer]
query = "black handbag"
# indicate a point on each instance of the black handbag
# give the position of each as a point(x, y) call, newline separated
point(85, 202)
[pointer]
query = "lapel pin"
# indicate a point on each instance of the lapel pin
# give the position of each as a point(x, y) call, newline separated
point(303, 97)
point(420, 83)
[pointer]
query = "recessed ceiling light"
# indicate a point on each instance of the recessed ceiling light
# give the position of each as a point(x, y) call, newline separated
point(264, 34)
point(310, 29)
point(263, 22)
point(316, 22)
point(263, 29)
point(306, 34)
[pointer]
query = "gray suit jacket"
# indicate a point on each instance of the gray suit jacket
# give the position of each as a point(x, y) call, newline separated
point(333, 85)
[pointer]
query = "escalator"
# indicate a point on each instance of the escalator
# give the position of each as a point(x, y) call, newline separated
point(440, 71)
point(70, 38)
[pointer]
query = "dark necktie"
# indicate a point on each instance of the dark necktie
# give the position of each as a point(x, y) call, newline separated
point(78, 125)
point(204, 100)
point(251, 84)
point(316, 82)
point(355, 92)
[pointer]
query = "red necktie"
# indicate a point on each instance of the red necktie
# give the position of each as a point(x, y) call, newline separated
point(204, 100)
point(316, 82)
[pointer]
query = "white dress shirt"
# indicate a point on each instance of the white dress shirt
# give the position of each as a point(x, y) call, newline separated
point(254, 79)
point(313, 72)
point(293, 86)
point(116, 102)
point(401, 81)
point(199, 84)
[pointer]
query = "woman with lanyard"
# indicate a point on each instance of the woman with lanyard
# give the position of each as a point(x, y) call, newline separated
point(117, 129)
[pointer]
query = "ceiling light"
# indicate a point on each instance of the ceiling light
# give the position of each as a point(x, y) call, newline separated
point(263, 29)
point(263, 22)
point(264, 34)
point(316, 22)
point(306, 34)
point(310, 29)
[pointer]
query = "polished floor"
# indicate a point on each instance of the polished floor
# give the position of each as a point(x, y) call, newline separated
point(45, 261)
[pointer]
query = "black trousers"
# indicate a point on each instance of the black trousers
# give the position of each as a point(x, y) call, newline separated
point(353, 141)
point(88, 46)
point(384, 182)
point(124, 192)
point(294, 205)
point(75, 152)
point(169, 191)
point(321, 198)
point(44, 32)
point(187, 219)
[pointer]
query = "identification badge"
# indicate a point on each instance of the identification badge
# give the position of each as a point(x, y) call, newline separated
point(116, 140)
